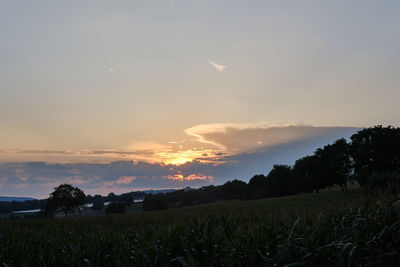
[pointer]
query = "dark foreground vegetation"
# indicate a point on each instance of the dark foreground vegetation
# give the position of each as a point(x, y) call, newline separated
point(327, 229)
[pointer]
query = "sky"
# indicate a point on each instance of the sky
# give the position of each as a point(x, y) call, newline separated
point(115, 96)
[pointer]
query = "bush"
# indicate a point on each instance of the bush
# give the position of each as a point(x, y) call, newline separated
point(152, 203)
point(98, 204)
point(115, 207)
point(383, 183)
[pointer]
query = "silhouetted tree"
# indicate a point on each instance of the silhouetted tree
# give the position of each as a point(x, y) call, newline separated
point(235, 189)
point(66, 198)
point(257, 186)
point(375, 149)
point(334, 164)
point(303, 170)
point(115, 207)
point(98, 202)
point(280, 181)
point(112, 197)
point(153, 202)
point(127, 199)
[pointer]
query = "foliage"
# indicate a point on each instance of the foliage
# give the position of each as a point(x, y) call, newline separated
point(307, 170)
point(115, 207)
point(335, 164)
point(66, 198)
point(256, 185)
point(280, 182)
point(383, 183)
point(113, 197)
point(235, 190)
point(313, 230)
point(127, 199)
point(375, 149)
point(153, 203)
point(98, 202)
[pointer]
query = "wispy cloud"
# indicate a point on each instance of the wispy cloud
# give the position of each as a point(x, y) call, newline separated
point(110, 69)
point(217, 66)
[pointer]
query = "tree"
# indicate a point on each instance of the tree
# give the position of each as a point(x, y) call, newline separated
point(115, 207)
point(66, 198)
point(112, 197)
point(375, 149)
point(256, 186)
point(305, 170)
point(98, 202)
point(280, 181)
point(127, 199)
point(235, 189)
point(153, 202)
point(335, 164)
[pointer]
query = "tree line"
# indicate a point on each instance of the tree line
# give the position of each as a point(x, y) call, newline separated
point(372, 158)
point(52, 205)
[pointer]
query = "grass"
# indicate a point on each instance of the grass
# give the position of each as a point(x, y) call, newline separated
point(331, 228)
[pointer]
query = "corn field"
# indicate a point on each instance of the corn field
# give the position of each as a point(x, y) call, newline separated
point(301, 231)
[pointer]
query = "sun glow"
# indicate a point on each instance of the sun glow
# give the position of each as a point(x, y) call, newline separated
point(179, 161)
point(184, 156)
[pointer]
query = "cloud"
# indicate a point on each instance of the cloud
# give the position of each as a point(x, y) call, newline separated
point(218, 67)
point(37, 151)
point(67, 156)
point(110, 69)
point(236, 138)
point(126, 179)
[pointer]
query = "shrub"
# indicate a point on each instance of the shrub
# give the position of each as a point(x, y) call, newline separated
point(115, 207)
point(152, 203)
point(98, 204)
point(383, 183)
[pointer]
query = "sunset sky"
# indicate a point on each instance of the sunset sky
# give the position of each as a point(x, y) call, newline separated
point(130, 95)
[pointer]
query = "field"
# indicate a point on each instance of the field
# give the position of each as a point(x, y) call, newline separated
point(327, 229)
